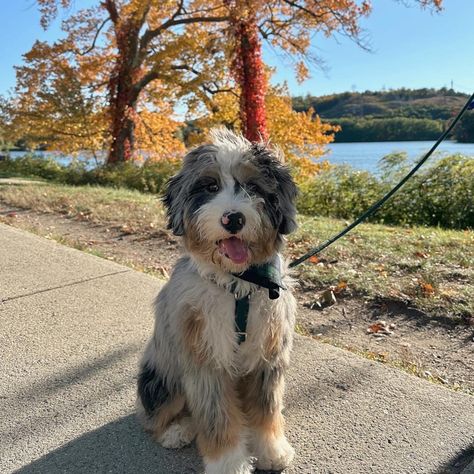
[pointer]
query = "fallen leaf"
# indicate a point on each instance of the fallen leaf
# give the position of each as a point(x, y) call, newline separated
point(426, 288)
point(314, 259)
point(374, 328)
point(380, 328)
point(421, 254)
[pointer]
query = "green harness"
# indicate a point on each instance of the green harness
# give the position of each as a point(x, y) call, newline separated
point(266, 276)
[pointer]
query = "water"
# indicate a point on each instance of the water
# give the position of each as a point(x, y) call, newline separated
point(63, 159)
point(366, 155)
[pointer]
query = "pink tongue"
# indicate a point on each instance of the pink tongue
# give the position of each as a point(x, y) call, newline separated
point(235, 249)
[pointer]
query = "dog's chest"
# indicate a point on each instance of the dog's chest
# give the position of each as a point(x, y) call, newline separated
point(220, 334)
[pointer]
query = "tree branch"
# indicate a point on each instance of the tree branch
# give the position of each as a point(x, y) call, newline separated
point(97, 33)
point(150, 34)
point(111, 7)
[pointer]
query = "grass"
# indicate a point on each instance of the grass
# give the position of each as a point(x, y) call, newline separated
point(100, 205)
point(429, 268)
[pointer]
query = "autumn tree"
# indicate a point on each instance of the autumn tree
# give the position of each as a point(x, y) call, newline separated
point(129, 61)
point(289, 26)
point(131, 52)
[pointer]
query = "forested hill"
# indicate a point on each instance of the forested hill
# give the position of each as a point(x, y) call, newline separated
point(401, 114)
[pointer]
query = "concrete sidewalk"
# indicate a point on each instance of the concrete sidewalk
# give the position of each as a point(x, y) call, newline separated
point(72, 329)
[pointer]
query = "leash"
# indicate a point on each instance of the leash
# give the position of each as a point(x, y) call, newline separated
point(372, 209)
point(268, 275)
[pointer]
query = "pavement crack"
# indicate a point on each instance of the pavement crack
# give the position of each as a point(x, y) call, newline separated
point(73, 283)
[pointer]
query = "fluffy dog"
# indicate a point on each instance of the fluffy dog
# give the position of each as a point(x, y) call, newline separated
point(231, 202)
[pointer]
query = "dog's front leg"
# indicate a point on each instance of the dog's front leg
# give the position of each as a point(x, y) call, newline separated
point(214, 404)
point(262, 396)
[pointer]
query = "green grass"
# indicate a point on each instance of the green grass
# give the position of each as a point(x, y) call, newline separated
point(429, 268)
point(101, 205)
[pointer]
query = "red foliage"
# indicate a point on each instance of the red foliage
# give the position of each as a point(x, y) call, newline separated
point(248, 69)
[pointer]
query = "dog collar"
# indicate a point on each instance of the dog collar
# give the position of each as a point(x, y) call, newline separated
point(267, 276)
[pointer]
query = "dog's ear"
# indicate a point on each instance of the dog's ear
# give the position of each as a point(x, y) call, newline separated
point(175, 211)
point(176, 194)
point(287, 192)
point(284, 190)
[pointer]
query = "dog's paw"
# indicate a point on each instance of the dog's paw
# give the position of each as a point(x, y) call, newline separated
point(178, 434)
point(234, 461)
point(275, 455)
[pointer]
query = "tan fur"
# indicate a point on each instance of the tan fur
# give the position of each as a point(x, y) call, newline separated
point(171, 410)
point(194, 244)
point(193, 337)
point(266, 246)
point(213, 445)
point(265, 417)
point(271, 346)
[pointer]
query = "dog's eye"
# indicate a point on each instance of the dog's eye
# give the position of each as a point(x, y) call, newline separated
point(212, 188)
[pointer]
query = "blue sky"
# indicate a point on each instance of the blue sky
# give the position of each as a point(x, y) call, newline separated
point(410, 48)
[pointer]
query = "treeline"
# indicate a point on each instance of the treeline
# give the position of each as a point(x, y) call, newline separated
point(400, 114)
point(390, 129)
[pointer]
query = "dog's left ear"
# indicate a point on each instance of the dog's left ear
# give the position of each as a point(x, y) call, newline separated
point(287, 192)
point(171, 200)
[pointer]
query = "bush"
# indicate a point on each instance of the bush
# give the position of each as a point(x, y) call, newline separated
point(441, 194)
point(438, 195)
point(149, 177)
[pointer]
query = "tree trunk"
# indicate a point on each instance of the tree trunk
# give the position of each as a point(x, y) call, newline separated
point(123, 90)
point(250, 74)
point(123, 118)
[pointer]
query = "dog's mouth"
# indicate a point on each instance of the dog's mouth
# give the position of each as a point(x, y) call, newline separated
point(234, 249)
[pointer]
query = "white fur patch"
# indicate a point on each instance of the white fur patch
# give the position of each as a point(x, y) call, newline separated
point(178, 434)
point(234, 461)
point(273, 454)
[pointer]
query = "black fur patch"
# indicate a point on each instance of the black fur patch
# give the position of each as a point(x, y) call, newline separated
point(151, 389)
point(280, 202)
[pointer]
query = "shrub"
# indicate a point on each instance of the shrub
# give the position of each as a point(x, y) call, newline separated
point(149, 177)
point(441, 194)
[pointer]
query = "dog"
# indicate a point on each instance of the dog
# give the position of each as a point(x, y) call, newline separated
point(202, 374)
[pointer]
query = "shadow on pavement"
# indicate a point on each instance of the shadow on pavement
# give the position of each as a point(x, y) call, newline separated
point(459, 463)
point(118, 447)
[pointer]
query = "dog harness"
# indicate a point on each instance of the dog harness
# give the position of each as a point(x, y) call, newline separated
point(266, 276)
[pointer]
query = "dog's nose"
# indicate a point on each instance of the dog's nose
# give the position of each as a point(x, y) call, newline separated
point(233, 221)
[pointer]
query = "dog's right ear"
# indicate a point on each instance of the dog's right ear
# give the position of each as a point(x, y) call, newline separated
point(175, 211)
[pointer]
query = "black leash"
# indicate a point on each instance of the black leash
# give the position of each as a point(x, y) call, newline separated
point(268, 275)
point(372, 209)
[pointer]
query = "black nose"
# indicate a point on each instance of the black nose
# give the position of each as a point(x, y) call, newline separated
point(233, 221)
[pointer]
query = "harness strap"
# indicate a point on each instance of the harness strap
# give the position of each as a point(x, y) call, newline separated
point(241, 317)
point(266, 276)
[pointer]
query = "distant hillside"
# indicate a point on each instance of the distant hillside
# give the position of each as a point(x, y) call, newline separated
point(401, 114)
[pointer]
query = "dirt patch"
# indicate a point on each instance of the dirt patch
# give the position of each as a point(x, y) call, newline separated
point(439, 348)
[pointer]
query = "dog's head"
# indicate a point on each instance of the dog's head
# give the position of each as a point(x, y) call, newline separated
point(231, 202)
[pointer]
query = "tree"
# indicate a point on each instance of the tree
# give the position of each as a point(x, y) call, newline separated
point(464, 132)
point(119, 50)
point(288, 25)
point(301, 136)
point(122, 47)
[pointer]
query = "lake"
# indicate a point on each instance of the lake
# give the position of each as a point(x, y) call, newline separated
point(366, 155)
point(363, 155)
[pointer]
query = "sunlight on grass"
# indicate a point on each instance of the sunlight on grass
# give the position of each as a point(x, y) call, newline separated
point(429, 268)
